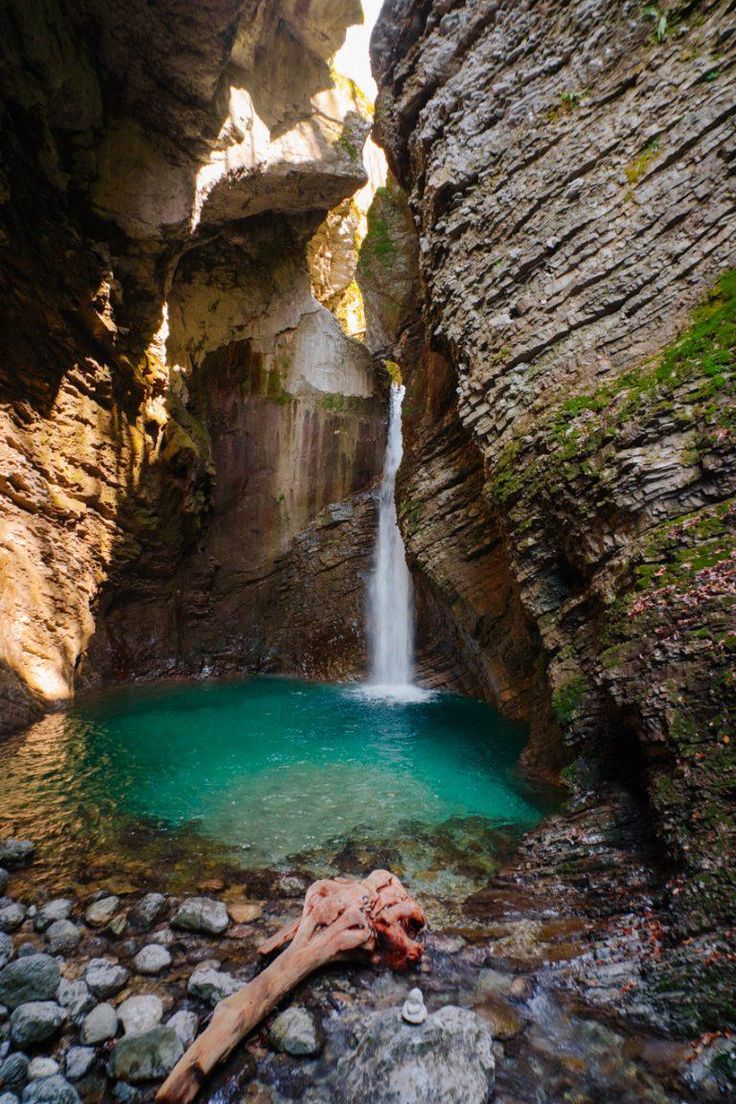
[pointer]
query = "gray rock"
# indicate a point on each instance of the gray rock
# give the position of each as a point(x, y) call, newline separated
point(140, 1014)
point(126, 1094)
point(63, 937)
point(6, 949)
point(446, 1060)
point(99, 1025)
point(149, 909)
point(185, 1025)
point(78, 1061)
point(105, 977)
point(146, 1057)
point(201, 914)
point(58, 909)
point(35, 1022)
point(15, 852)
point(32, 978)
point(296, 1032)
point(8, 1098)
point(75, 997)
point(4, 878)
point(212, 985)
point(42, 1067)
point(14, 1072)
point(50, 1090)
point(101, 912)
point(11, 916)
point(152, 959)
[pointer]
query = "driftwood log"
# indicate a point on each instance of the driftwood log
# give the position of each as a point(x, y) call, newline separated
point(340, 917)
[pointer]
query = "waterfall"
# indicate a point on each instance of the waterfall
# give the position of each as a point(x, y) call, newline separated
point(390, 607)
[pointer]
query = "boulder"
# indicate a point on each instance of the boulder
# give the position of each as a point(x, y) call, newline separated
point(147, 911)
point(296, 1032)
point(50, 1090)
point(152, 959)
point(78, 1061)
point(141, 1013)
point(201, 914)
point(58, 909)
point(448, 1059)
point(15, 852)
point(99, 1025)
point(63, 937)
point(34, 977)
point(105, 976)
point(212, 985)
point(35, 1022)
point(146, 1057)
point(101, 912)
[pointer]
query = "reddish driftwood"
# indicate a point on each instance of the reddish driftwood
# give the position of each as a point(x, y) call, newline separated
point(339, 917)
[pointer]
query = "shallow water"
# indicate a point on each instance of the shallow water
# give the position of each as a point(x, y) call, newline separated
point(270, 772)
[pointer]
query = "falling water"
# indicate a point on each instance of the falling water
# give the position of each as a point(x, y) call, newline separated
point(390, 611)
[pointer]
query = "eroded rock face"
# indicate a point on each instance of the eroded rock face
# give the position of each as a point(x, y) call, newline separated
point(165, 369)
point(570, 172)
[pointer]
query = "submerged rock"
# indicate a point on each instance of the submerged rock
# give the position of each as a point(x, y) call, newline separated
point(15, 852)
point(35, 1022)
point(146, 1057)
point(149, 909)
point(295, 1031)
point(201, 914)
point(34, 977)
point(101, 912)
point(446, 1060)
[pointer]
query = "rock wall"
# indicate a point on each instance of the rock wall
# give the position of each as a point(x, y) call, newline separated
point(568, 493)
point(178, 411)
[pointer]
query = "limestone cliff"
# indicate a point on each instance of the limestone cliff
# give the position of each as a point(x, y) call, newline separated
point(178, 411)
point(568, 493)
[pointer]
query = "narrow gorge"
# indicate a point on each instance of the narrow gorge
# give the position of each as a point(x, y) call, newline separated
point(367, 481)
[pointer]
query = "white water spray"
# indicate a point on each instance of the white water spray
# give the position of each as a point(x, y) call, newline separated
point(390, 607)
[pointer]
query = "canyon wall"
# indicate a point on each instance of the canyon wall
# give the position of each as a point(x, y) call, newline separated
point(188, 437)
point(567, 496)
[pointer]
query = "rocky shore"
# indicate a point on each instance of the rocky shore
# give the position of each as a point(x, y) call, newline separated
point(537, 984)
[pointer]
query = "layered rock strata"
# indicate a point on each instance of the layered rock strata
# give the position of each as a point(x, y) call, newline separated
point(570, 171)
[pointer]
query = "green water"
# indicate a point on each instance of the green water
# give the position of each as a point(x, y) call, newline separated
point(272, 772)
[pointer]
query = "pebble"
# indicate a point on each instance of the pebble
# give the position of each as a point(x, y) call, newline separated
point(15, 852)
point(101, 912)
point(140, 1014)
point(58, 909)
point(42, 1067)
point(34, 977)
point(8, 1098)
point(11, 916)
point(295, 1032)
point(146, 1057)
point(14, 1071)
point(185, 1025)
point(50, 1090)
point(35, 1022)
point(212, 985)
point(201, 914)
point(78, 1061)
point(75, 997)
point(63, 937)
point(105, 977)
point(99, 1025)
point(152, 959)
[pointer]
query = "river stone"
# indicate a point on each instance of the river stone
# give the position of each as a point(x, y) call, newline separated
point(4, 878)
point(42, 1067)
point(50, 1090)
point(146, 1057)
point(58, 909)
point(201, 914)
point(75, 997)
point(212, 985)
point(14, 1072)
point(12, 916)
point(99, 1025)
point(185, 1025)
point(8, 1098)
point(34, 977)
point(6, 949)
point(446, 1060)
point(35, 1022)
point(63, 937)
point(295, 1032)
point(144, 915)
point(152, 959)
point(101, 912)
point(78, 1061)
point(140, 1014)
point(15, 852)
point(105, 977)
